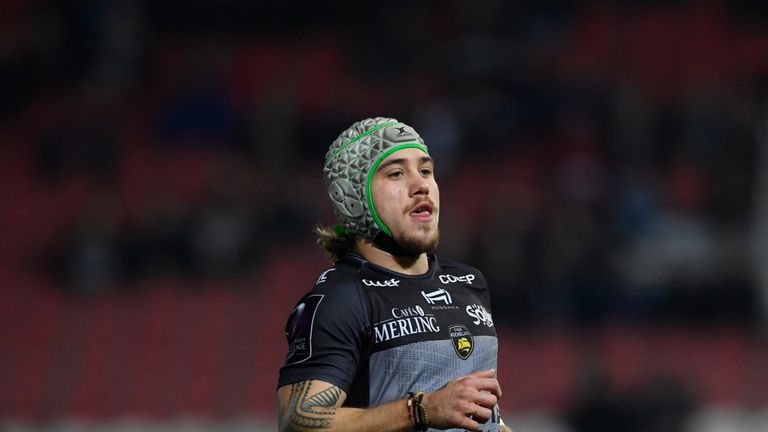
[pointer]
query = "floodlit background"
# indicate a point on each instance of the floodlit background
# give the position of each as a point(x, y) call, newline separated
point(160, 176)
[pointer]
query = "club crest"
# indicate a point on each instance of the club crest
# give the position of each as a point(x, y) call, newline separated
point(462, 339)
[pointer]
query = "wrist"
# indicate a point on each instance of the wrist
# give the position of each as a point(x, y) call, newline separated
point(409, 409)
point(417, 413)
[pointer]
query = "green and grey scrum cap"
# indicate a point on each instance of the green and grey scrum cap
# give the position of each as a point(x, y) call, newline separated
point(349, 166)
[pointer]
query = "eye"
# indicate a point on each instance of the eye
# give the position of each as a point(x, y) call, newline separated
point(426, 172)
point(395, 174)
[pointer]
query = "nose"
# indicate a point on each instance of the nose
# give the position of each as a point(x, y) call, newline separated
point(419, 185)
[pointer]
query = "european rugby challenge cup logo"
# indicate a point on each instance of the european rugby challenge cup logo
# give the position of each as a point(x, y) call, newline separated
point(462, 339)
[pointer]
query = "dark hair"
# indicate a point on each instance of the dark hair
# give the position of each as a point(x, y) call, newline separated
point(336, 243)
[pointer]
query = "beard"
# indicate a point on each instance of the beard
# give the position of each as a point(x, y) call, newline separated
point(422, 242)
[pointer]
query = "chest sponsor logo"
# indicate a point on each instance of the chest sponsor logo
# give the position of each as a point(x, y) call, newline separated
point(440, 295)
point(480, 315)
point(449, 279)
point(387, 283)
point(462, 339)
point(404, 322)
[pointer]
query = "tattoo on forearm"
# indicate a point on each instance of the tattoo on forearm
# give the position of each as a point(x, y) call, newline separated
point(313, 412)
point(326, 399)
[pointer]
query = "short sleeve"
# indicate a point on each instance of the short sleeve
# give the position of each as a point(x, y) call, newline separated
point(326, 332)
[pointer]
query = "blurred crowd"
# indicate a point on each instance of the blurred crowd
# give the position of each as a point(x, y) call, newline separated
point(595, 161)
point(599, 162)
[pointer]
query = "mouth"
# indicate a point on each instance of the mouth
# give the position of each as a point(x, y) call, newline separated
point(422, 212)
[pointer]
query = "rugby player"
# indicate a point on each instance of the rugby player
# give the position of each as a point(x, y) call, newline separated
point(391, 337)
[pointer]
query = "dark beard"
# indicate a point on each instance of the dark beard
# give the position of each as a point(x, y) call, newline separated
point(414, 246)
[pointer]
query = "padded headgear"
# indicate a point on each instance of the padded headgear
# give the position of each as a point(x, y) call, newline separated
point(349, 166)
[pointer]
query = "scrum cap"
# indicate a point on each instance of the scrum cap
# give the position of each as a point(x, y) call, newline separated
point(349, 166)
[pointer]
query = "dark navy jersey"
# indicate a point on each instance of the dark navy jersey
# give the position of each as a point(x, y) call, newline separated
point(378, 334)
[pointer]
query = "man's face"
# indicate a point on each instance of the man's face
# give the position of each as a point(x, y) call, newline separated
point(407, 199)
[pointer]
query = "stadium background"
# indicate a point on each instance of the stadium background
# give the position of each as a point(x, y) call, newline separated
point(604, 164)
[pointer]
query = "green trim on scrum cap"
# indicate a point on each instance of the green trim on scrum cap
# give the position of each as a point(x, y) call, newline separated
point(344, 231)
point(362, 135)
point(373, 169)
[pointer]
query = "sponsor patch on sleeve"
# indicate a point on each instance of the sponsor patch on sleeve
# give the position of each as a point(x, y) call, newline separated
point(299, 329)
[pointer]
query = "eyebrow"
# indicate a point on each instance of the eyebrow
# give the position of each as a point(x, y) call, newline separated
point(401, 161)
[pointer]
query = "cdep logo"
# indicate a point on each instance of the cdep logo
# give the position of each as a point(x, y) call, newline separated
point(446, 279)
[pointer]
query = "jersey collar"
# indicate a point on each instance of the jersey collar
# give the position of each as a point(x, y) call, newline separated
point(367, 267)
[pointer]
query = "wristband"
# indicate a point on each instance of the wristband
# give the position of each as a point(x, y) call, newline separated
point(409, 407)
point(416, 412)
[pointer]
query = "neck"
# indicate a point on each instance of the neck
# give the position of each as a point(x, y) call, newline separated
point(402, 264)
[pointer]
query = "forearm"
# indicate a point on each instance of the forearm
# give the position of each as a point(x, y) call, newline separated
point(389, 417)
point(465, 402)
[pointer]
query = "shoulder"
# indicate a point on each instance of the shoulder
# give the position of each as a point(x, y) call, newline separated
point(338, 289)
point(454, 271)
point(339, 279)
point(447, 264)
point(333, 310)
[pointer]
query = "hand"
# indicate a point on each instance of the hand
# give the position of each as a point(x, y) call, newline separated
point(465, 402)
